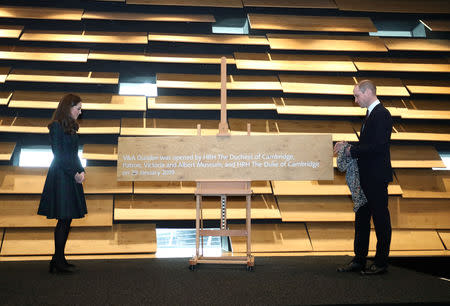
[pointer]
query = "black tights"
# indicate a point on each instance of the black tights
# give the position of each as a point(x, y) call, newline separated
point(61, 233)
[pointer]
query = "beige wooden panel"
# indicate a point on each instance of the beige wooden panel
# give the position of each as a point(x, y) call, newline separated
point(183, 207)
point(4, 71)
point(103, 180)
point(437, 25)
point(208, 3)
point(187, 187)
point(395, 6)
point(340, 236)
point(210, 103)
point(212, 81)
point(340, 130)
point(424, 183)
point(86, 77)
point(43, 54)
point(428, 86)
point(148, 17)
point(387, 86)
point(273, 238)
point(120, 238)
point(430, 131)
point(445, 236)
point(426, 109)
point(99, 126)
point(417, 44)
point(167, 127)
point(257, 126)
point(90, 101)
point(93, 151)
point(209, 38)
point(287, 62)
point(24, 125)
point(86, 37)
point(324, 4)
point(5, 96)
point(318, 106)
point(310, 23)
point(21, 211)
point(10, 31)
point(402, 64)
point(336, 187)
point(315, 208)
point(20, 180)
point(420, 213)
point(160, 57)
point(6, 150)
point(317, 84)
point(326, 43)
point(415, 156)
point(40, 13)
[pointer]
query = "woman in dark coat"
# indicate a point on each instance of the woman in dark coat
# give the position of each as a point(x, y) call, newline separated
point(63, 196)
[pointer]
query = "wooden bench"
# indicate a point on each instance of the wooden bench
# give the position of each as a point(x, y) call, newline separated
point(120, 238)
point(21, 211)
point(326, 43)
point(40, 13)
point(167, 127)
point(10, 31)
point(417, 44)
point(86, 37)
point(228, 39)
point(182, 207)
point(148, 17)
point(402, 64)
point(91, 101)
point(6, 150)
point(293, 62)
point(19, 53)
point(310, 23)
point(83, 77)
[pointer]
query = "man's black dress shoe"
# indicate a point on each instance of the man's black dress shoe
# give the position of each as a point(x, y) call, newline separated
point(374, 270)
point(351, 267)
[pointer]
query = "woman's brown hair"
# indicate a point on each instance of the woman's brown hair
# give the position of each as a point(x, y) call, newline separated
point(62, 114)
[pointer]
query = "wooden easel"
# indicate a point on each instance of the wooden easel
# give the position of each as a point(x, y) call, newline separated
point(222, 189)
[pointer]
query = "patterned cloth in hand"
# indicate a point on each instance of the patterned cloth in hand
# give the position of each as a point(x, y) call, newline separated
point(350, 166)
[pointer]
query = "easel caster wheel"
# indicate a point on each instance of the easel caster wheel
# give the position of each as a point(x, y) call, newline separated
point(250, 268)
point(192, 267)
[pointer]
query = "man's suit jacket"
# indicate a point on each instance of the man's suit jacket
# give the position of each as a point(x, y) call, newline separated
point(372, 150)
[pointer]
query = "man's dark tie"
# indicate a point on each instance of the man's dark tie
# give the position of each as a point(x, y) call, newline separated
point(365, 119)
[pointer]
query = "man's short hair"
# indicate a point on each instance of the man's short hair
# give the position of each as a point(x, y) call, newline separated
point(367, 84)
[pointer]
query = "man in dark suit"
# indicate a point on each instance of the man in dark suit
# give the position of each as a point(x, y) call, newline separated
point(375, 171)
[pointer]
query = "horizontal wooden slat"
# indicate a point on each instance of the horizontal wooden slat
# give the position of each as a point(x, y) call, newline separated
point(417, 44)
point(430, 131)
point(86, 37)
point(437, 25)
point(395, 6)
point(337, 187)
point(148, 17)
point(208, 3)
point(209, 38)
point(43, 54)
point(183, 207)
point(445, 236)
point(387, 86)
point(210, 103)
point(21, 211)
point(428, 87)
point(426, 109)
point(86, 77)
point(315, 208)
point(323, 4)
point(5, 97)
point(273, 238)
point(424, 183)
point(40, 13)
point(90, 101)
point(160, 127)
point(415, 156)
point(285, 62)
point(10, 31)
point(339, 237)
point(310, 23)
point(4, 73)
point(402, 65)
point(212, 81)
point(325, 43)
point(159, 57)
point(103, 180)
point(120, 238)
point(100, 151)
point(6, 150)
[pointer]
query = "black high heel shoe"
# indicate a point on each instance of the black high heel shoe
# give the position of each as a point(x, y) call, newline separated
point(69, 264)
point(58, 267)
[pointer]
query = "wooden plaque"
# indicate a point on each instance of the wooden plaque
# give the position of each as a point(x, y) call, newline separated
point(190, 158)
